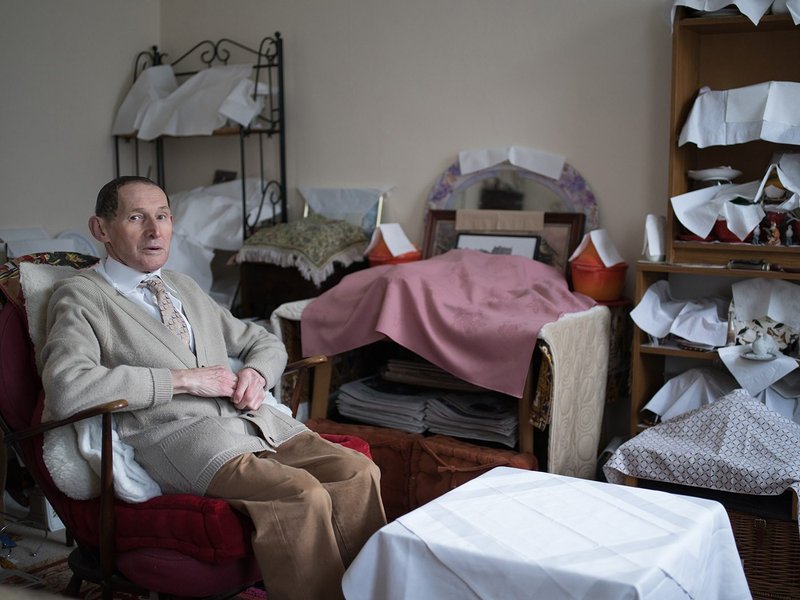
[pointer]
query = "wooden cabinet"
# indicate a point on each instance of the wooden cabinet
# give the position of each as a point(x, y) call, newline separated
point(721, 53)
point(652, 361)
point(724, 53)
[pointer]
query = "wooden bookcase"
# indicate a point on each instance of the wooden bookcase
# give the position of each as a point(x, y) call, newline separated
point(721, 53)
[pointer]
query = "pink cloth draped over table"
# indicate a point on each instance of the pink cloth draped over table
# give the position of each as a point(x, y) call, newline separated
point(473, 314)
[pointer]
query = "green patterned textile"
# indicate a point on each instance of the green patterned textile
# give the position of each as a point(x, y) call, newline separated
point(313, 245)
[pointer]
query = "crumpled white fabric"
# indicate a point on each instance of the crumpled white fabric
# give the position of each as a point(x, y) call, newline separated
point(755, 298)
point(698, 320)
point(156, 106)
point(752, 9)
point(755, 376)
point(131, 481)
point(153, 84)
point(691, 389)
point(765, 111)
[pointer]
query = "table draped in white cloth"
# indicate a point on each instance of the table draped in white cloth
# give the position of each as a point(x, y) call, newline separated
point(525, 534)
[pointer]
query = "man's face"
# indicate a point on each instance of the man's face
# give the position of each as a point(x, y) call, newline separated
point(139, 234)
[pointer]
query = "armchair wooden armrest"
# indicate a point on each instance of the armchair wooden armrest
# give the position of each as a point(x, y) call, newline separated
point(106, 537)
point(100, 409)
point(320, 367)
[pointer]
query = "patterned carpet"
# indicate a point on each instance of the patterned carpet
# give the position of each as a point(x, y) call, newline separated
point(55, 574)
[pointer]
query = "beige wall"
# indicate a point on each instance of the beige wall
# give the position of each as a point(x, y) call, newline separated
point(378, 92)
point(63, 71)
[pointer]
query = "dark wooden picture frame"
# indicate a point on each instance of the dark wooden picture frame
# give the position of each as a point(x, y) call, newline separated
point(560, 236)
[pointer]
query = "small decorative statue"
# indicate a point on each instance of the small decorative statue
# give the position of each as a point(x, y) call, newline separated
point(756, 239)
point(774, 235)
point(789, 234)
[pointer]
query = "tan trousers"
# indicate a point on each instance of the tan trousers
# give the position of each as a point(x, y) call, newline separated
point(313, 503)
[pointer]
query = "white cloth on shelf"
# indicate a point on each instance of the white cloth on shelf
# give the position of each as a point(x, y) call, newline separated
point(690, 390)
point(755, 298)
point(153, 84)
point(659, 314)
point(752, 9)
point(155, 106)
point(753, 375)
point(767, 111)
point(699, 210)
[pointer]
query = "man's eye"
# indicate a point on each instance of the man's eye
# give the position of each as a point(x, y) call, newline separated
point(135, 218)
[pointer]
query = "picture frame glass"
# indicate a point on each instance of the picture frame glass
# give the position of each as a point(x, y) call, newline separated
point(509, 245)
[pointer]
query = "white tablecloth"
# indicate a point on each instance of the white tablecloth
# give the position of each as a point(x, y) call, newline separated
point(523, 534)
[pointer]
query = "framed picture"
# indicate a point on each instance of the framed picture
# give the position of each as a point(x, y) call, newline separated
point(560, 235)
point(512, 245)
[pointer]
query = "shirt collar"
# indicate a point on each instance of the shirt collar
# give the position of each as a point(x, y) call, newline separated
point(124, 278)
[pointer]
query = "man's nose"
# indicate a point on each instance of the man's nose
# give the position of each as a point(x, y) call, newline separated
point(153, 228)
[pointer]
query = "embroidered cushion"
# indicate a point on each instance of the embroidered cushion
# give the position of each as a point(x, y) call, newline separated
point(313, 245)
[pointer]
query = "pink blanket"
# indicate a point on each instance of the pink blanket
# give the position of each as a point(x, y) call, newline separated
point(472, 314)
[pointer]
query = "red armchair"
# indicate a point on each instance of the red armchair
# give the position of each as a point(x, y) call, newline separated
point(176, 544)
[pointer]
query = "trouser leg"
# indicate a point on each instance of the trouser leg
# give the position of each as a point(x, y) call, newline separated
point(353, 483)
point(313, 507)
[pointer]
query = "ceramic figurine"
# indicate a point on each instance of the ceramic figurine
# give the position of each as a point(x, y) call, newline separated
point(763, 345)
point(756, 239)
point(774, 236)
point(789, 234)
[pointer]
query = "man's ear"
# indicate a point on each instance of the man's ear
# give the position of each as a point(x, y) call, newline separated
point(98, 229)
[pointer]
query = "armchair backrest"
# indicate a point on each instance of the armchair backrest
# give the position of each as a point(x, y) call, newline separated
point(20, 385)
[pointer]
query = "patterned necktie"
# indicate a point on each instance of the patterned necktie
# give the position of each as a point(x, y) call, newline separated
point(169, 315)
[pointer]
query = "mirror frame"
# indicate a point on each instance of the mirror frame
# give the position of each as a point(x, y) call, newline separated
point(571, 187)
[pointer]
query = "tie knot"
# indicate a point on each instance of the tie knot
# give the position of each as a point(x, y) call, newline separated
point(154, 284)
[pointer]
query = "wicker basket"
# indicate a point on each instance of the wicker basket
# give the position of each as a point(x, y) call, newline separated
point(770, 552)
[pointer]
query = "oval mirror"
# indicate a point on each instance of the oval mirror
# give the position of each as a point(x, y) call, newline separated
point(507, 187)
